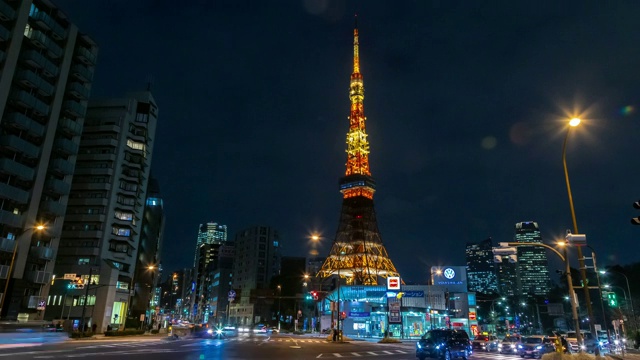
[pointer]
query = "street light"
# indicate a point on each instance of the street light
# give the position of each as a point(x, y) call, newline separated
point(153, 273)
point(38, 228)
point(633, 315)
point(279, 298)
point(583, 271)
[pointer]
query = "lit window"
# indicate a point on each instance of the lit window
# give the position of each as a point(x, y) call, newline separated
point(135, 145)
point(126, 216)
point(83, 261)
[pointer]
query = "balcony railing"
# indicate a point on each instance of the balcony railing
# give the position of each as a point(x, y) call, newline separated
point(27, 100)
point(7, 13)
point(25, 123)
point(61, 166)
point(78, 90)
point(7, 245)
point(65, 146)
point(39, 39)
point(19, 145)
point(16, 169)
point(38, 277)
point(86, 56)
point(5, 35)
point(12, 193)
point(31, 79)
point(41, 252)
point(58, 187)
point(74, 108)
point(39, 61)
point(11, 219)
point(70, 127)
point(82, 73)
point(53, 208)
point(46, 21)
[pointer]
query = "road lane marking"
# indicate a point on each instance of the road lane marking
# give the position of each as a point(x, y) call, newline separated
point(35, 352)
point(387, 352)
point(356, 354)
point(337, 355)
point(371, 353)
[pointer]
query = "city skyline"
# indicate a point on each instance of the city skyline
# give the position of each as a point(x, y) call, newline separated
point(463, 104)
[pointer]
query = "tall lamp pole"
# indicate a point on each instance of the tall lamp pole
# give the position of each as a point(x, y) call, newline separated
point(39, 227)
point(583, 271)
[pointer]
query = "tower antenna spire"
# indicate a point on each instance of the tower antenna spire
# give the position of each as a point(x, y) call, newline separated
point(356, 47)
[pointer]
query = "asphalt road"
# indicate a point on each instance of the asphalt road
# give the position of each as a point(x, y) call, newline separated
point(279, 347)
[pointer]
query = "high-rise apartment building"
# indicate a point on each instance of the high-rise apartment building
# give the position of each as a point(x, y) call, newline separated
point(46, 69)
point(102, 229)
point(211, 236)
point(481, 272)
point(507, 272)
point(257, 260)
point(219, 287)
point(148, 268)
point(533, 271)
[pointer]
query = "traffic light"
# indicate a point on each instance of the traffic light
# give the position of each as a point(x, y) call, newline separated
point(636, 220)
point(612, 299)
point(309, 296)
point(314, 294)
point(343, 315)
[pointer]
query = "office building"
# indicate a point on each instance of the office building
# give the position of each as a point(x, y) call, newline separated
point(533, 271)
point(220, 286)
point(481, 272)
point(46, 73)
point(507, 273)
point(102, 230)
point(256, 261)
point(209, 233)
point(211, 236)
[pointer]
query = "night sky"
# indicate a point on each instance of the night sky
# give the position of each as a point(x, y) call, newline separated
point(465, 103)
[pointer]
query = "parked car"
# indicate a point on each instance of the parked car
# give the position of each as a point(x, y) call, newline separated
point(589, 342)
point(485, 343)
point(535, 346)
point(509, 345)
point(444, 344)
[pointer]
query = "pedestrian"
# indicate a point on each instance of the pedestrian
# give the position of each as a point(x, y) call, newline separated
point(335, 334)
point(94, 327)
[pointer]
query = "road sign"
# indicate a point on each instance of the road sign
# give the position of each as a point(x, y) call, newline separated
point(41, 305)
point(70, 276)
point(393, 283)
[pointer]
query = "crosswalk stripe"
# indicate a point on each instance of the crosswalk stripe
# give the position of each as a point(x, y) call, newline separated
point(387, 352)
point(371, 353)
point(356, 354)
point(337, 355)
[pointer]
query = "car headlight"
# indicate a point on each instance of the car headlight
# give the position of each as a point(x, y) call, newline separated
point(519, 346)
point(210, 331)
point(513, 346)
point(419, 346)
point(538, 347)
point(582, 347)
point(600, 343)
point(437, 346)
point(499, 345)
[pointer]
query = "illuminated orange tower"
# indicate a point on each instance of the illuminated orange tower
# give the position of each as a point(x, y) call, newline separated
point(357, 253)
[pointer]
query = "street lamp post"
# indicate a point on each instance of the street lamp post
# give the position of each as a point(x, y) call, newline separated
point(153, 273)
point(39, 227)
point(633, 315)
point(279, 298)
point(583, 271)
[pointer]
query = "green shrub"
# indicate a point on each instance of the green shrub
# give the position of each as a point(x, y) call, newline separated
point(155, 331)
point(389, 340)
point(79, 335)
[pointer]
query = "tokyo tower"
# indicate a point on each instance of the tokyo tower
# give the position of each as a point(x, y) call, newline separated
point(357, 253)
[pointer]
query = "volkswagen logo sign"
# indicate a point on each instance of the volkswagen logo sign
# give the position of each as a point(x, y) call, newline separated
point(449, 273)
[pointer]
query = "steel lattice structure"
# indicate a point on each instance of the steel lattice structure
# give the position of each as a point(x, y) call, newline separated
point(357, 253)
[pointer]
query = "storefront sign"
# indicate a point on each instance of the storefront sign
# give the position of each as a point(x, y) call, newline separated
point(414, 294)
point(472, 315)
point(393, 283)
point(359, 314)
point(394, 313)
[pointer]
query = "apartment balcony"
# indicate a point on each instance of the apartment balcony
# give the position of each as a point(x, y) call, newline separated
point(85, 217)
point(86, 56)
point(32, 80)
point(44, 20)
point(37, 276)
point(74, 108)
point(29, 101)
point(15, 194)
point(53, 208)
point(5, 35)
point(104, 128)
point(40, 40)
point(41, 252)
point(65, 146)
point(11, 219)
point(93, 234)
point(70, 127)
point(12, 167)
point(89, 202)
point(92, 186)
point(58, 187)
point(39, 61)
point(61, 167)
point(25, 123)
point(82, 73)
point(94, 171)
point(7, 13)
point(16, 144)
point(78, 90)
point(7, 245)
point(99, 142)
point(96, 157)
point(4, 269)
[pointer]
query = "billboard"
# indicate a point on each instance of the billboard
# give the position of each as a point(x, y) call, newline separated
point(454, 278)
point(393, 283)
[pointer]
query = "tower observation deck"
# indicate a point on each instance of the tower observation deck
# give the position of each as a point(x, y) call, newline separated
point(357, 253)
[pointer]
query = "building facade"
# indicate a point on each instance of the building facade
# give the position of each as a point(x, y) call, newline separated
point(533, 271)
point(209, 233)
point(46, 73)
point(211, 236)
point(256, 261)
point(101, 234)
point(481, 272)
